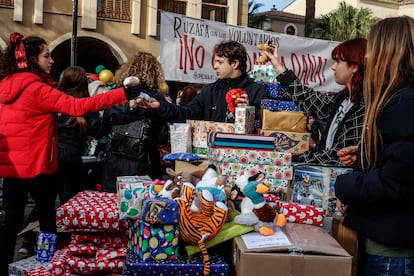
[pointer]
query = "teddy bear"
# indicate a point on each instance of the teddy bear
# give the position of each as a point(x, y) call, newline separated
point(264, 47)
point(200, 227)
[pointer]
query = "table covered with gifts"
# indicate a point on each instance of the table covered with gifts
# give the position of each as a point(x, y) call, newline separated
point(233, 184)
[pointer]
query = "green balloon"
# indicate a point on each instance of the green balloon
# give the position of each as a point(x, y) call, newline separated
point(99, 68)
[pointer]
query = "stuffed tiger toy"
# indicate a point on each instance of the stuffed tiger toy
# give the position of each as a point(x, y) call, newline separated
point(200, 227)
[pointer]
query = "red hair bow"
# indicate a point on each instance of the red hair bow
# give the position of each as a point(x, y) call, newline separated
point(19, 51)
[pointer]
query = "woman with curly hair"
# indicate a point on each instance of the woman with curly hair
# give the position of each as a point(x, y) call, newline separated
point(148, 72)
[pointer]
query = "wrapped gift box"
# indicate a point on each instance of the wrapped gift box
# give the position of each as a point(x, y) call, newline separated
point(131, 192)
point(252, 141)
point(91, 210)
point(244, 119)
point(46, 246)
point(313, 185)
point(154, 236)
point(277, 172)
point(183, 265)
point(291, 121)
point(276, 91)
point(101, 239)
point(277, 105)
point(250, 156)
point(181, 138)
point(263, 73)
point(107, 264)
point(293, 142)
point(21, 267)
point(201, 128)
point(299, 213)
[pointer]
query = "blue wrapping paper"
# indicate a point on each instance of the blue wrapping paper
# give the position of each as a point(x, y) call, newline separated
point(46, 247)
point(183, 265)
point(276, 91)
point(277, 105)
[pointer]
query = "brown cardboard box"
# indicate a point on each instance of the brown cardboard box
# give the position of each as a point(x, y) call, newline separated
point(184, 166)
point(313, 252)
point(347, 238)
point(63, 238)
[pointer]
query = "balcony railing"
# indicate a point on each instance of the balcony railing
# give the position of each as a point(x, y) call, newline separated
point(9, 3)
point(115, 9)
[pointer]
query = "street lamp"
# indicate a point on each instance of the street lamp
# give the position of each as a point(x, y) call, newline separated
point(73, 44)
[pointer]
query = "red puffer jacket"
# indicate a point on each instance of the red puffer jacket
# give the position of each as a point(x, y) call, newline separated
point(28, 122)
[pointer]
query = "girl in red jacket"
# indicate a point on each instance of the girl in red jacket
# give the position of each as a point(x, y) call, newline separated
point(29, 105)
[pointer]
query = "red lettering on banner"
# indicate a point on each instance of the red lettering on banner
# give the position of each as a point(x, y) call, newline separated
point(309, 68)
point(188, 55)
point(200, 53)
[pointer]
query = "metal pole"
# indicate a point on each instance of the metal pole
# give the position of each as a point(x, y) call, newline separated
point(73, 44)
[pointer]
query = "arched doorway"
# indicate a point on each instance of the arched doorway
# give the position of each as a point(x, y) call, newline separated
point(92, 50)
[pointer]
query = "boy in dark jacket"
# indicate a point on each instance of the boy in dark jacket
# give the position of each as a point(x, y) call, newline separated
point(230, 64)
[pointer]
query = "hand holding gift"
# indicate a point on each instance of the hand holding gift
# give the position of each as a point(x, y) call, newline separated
point(235, 97)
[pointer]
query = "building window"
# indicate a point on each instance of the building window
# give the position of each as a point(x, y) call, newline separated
point(115, 9)
point(215, 10)
point(9, 3)
point(291, 29)
point(175, 6)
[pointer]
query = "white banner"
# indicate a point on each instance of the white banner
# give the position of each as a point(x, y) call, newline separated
point(187, 44)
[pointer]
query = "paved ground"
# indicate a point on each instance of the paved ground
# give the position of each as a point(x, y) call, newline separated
point(19, 240)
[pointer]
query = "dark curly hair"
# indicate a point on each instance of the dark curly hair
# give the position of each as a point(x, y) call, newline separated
point(232, 50)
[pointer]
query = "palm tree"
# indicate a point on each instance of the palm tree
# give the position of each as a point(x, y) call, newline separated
point(344, 23)
point(255, 21)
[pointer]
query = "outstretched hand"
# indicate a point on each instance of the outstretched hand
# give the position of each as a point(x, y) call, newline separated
point(273, 56)
point(149, 103)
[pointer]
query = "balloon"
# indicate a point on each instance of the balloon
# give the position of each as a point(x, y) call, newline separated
point(164, 88)
point(99, 69)
point(106, 76)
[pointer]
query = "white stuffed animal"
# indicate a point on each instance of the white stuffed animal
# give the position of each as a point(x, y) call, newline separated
point(246, 217)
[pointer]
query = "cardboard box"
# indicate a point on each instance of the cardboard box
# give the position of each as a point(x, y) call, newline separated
point(313, 252)
point(347, 238)
point(184, 166)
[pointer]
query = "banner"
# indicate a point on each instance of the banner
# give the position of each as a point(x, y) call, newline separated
point(187, 44)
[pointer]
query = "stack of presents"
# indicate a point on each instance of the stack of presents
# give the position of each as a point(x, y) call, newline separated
point(232, 184)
